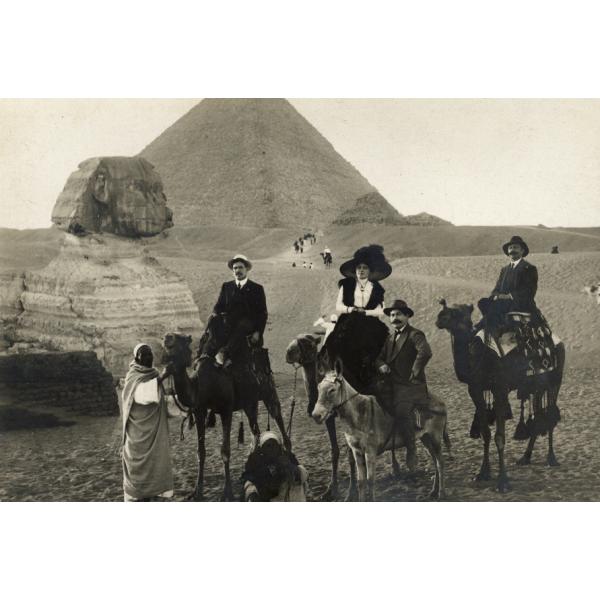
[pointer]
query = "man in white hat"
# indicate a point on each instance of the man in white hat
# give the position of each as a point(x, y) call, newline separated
point(244, 305)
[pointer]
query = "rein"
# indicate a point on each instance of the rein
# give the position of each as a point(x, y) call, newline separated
point(344, 393)
point(293, 405)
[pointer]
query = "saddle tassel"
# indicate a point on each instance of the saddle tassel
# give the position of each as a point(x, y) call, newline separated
point(521, 432)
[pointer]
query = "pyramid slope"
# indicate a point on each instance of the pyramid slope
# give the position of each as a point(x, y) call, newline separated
point(253, 162)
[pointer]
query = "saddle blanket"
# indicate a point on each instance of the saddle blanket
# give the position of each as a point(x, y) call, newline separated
point(508, 342)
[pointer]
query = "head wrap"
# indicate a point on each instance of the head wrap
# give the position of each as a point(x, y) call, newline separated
point(137, 348)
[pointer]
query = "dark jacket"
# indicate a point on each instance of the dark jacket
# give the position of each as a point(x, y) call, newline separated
point(521, 283)
point(407, 357)
point(249, 302)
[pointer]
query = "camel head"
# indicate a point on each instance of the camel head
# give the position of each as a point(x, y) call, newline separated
point(303, 349)
point(177, 350)
point(331, 390)
point(456, 316)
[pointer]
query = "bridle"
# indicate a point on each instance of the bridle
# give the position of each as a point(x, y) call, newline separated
point(343, 393)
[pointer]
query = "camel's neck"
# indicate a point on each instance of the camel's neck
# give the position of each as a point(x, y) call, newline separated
point(309, 374)
point(183, 385)
point(461, 338)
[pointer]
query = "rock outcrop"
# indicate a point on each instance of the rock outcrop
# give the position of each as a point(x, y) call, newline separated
point(120, 195)
point(104, 293)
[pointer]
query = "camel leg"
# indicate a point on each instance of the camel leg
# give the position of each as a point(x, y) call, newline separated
point(551, 458)
point(332, 489)
point(503, 482)
point(485, 471)
point(361, 468)
point(526, 458)
point(371, 463)
point(395, 466)
point(274, 408)
point(251, 411)
point(225, 455)
point(200, 417)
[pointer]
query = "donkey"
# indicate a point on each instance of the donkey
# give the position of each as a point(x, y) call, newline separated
point(370, 431)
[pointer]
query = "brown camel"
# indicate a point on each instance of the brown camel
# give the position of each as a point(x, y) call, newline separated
point(212, 388)
point(511, 370)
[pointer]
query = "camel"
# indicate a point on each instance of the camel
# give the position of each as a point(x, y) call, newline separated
point(457, 320)
point(303, 351)
point(371, 431)
point(212, 388)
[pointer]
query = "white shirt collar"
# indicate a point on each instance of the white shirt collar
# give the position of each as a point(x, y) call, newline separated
point(359, 282)
point(241, 283)
point(515, 262)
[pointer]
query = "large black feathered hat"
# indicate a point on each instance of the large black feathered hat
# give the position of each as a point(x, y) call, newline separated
point(372, 256)
point(516, 239)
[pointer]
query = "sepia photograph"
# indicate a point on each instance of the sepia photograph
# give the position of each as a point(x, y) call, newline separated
point(282, 300)
point(299, 299)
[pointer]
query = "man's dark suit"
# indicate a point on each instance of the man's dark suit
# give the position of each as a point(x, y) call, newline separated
point(406, 356)
point(521, 283)
point(245, 312)
point(249, 303)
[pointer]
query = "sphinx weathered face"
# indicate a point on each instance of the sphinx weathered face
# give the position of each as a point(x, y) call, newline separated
point(101, 192)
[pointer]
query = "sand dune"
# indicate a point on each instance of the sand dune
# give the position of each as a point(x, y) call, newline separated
point(78, 462)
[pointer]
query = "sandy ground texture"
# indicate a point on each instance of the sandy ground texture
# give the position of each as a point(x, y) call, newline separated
point(78, 462)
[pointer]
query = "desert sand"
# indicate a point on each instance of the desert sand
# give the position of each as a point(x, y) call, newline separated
point(78, 461)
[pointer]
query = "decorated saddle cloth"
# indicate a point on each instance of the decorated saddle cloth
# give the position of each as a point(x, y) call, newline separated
point(532, 337)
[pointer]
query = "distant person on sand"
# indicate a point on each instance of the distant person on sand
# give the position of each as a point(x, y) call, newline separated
point(554, 250)
point(296, 247)
point(243, 304)
point(403, 359)
point(359, 334)
point(147, 470)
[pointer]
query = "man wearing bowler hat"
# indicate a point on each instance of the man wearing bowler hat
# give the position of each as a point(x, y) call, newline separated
point(402, 359)
point(243, 304)
point(516, 286)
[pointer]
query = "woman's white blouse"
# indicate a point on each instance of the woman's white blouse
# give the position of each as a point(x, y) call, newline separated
point(147, 392)
point(362, 293)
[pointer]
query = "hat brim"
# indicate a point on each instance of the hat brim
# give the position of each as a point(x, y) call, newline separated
point(522, 244)
point(234, 260)
point(407, 311)
point(376, 273)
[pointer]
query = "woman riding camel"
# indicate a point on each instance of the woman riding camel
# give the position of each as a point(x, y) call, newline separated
point(359, 334)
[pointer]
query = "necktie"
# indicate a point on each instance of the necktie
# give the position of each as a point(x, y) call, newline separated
point(239, 286)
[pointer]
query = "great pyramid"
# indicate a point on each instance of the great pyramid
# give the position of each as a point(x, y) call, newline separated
point(256, 162)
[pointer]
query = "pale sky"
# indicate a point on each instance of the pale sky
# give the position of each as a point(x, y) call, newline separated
point(472, 162)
